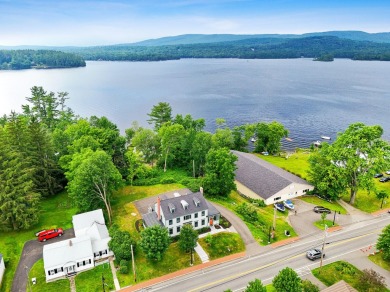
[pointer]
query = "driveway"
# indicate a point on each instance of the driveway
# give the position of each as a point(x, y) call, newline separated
point(32, 252)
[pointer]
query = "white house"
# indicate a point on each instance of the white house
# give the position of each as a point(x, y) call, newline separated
point(258, 179)
point(173, 213)
point(2, 268)
point(87, 249)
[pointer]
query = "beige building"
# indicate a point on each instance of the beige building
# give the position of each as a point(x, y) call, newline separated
point(258, 179)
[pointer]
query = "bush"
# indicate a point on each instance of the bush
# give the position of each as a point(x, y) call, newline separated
point(224, 222)
point(124, 267)
point(248, 212)
point(167, 180)
point(204, 230)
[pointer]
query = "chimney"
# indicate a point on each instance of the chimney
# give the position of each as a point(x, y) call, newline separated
point(158, 209)
point(201, 190)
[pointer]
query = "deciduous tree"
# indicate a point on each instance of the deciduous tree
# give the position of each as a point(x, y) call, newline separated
point(187, 238)
point(382, 195)
point(269, 136)
point(383, 242)
point(154, 242)
point(220, 167)
point(255, 286)
point(120, 243)
point(287, 281)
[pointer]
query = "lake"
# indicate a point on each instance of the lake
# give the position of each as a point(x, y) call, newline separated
point(310, 98)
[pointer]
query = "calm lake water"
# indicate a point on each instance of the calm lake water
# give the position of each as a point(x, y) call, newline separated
point(310, 98)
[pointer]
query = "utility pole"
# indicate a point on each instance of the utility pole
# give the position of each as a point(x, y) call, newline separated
point(323, 247)
point(274, 224)
point(269, 235)
point(132, 258)
point(334, 218)
point(191, 263)
point(104, 289)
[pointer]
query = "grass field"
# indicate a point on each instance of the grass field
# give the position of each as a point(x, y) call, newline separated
point(222, 244)
point(38, 272)
point(378, 259)
point(55, 212)
point(266, 215)
point(91, 280)
point(321, 224)
point(340, 270)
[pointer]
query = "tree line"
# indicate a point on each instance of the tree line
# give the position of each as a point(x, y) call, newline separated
point(48, 148)
point(39, 59)
point(254, 48)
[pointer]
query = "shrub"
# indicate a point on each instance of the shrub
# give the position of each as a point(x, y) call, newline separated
point(167, 180)
point(371, 281)
point(209, 239)
point(308, 286)
point(248, 212)
point(224, 222)
point(124, 267)
point(204, 230)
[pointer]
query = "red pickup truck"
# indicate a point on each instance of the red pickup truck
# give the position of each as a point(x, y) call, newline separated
point(47, 234)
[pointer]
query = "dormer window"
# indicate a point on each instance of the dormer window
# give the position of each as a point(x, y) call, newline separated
point(184, 204)
point(196, 201)
point(171, 207)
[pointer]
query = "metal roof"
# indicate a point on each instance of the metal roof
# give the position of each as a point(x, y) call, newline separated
point(150, 219)
point(264, 178)
point(179, 210)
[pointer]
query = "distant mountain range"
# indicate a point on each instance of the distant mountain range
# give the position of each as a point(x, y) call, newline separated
point(357, 45)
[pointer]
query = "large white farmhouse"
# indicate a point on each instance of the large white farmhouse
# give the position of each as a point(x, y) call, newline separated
point(88, 248)
point(258, 179)
point(173, 213)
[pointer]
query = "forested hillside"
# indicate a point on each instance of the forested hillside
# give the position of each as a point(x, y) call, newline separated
point(40, 59)
point(262, 48)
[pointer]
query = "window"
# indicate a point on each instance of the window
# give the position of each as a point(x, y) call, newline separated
point(178, 220)
point(170, 222)
point(170, 231)
point(96, 254)
point(51, 272)
point(89, 261)
point(196, 215)
point(178, 229)
point(277, 198)
point(196, 223)
point(203, 213)
point(203, 222)
point(187, 217)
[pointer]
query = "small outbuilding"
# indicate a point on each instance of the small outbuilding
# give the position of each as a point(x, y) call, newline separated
point(259, 179)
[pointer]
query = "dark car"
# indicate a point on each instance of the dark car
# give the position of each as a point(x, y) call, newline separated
point(314, 254)
point(377, 175)
point(320, 209)
point(385, 179)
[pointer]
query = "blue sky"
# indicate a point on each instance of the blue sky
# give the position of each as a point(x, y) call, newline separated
point(102, 22)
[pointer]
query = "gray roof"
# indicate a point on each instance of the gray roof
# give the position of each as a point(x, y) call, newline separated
point(340, 286)
point(212, 210)
point(264, 178)
point(150, 219)
point(179, 210)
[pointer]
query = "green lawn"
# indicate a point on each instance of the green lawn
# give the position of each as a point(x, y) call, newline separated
point(222, 244)
point(321, 224)
point(56, 212)
point(91, 280)
point(296, 163)
point(340, 270)
point(334, 206)
point(378, 260)
point(266, 214)
point(38, 272)
point(173, 260)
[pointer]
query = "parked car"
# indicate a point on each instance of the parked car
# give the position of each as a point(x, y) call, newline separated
point(385, 179)
point(47, 234)
point(320, 209)
point(388, 172)
point(288, 204)
point(265, 153)
point(378, 175)
point(38, 232)
point(314, 254)
point(279, 206)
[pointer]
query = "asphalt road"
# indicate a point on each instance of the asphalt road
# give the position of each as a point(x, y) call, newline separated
point(32, 252)
point(265, 266)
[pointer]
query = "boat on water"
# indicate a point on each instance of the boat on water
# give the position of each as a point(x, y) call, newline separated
point(325, 137)
point(289, 139)
point(317, 143)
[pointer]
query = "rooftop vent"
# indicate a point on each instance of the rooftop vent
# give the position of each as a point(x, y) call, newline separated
point(171, 207)
point(184, 204)
point(176, 195)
